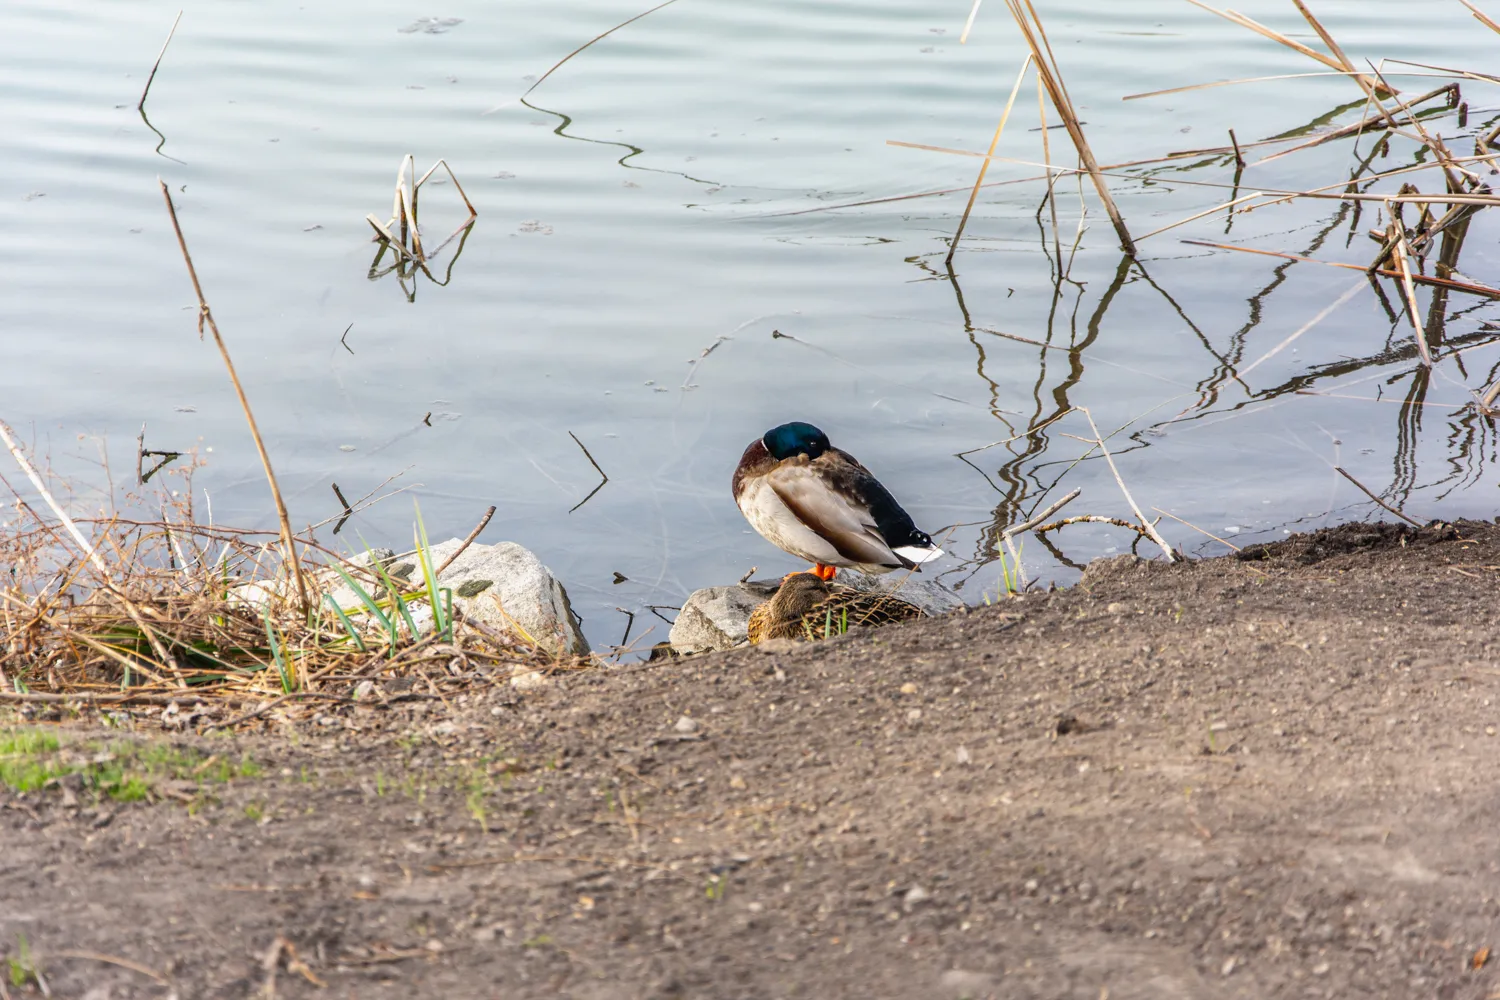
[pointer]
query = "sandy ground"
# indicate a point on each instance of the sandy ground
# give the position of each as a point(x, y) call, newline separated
point(1235, 778)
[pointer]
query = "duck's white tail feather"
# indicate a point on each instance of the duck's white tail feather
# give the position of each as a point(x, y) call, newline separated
point(916, 555)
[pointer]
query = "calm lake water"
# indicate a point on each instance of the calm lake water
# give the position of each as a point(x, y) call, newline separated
point(675, 188)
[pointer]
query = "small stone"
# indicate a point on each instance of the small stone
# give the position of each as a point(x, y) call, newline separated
point(327, 720)
point(686, 725)
point(363, 690)
point(908, 688)
point(1321, 969)
point(1115, 608)
point(737, 783)
point(961, 755)
point(1229, 965)
point(915, 896)
point(961, 984)
point(914, 715)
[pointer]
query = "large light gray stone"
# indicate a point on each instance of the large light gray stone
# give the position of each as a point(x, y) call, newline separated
point(508, 588)
point(505, 586)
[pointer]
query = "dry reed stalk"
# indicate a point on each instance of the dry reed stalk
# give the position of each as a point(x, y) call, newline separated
point(988, 156)
point(1402, 253)
point(205, 315)
point(1051, 77)
point(1150, 528)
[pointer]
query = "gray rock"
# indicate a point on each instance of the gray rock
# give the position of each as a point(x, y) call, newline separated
point(715, 617)
point(929, 595)
point(521, 593)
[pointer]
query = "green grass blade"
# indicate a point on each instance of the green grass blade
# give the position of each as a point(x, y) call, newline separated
point(369, 602)
point(277, 652)
point(348, 625)
point(440, 622)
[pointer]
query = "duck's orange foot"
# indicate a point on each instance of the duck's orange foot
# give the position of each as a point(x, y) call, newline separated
point(824, 573)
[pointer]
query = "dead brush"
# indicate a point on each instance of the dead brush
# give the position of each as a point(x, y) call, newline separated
point(402, 235)
point(178, 611)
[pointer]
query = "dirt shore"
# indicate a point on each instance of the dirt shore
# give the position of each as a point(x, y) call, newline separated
point(1232, 778)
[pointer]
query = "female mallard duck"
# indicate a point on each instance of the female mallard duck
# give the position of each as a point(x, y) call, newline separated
point(817, 502)
point(805, 607)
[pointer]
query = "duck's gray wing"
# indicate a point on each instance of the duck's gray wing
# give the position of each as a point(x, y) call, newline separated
point(833, 516)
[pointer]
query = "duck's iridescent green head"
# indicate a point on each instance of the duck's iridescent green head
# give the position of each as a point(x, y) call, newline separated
point(795, 438)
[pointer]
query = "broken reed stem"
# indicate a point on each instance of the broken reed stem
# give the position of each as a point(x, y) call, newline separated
point(1032, 522)
point(1149, 527)
point(205, 315)
point(1051, 77)
point(1239, 158)
point(468, 540)
point(1358, 127)
point(1363, 489)
point(985, 166)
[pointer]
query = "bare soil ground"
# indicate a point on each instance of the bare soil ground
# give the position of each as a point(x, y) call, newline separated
point(1234, 778)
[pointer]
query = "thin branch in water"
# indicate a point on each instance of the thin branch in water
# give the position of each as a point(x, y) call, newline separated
point(1365, 490)
point(345, 338)
point(1401, 252)
point(603, 476)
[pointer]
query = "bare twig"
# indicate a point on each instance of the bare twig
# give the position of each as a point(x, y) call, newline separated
point(348, 511)
point(205, 315)
point(1093, 519)
point(157, 65)
point(1365, 490)
point(1032, 522)
point(1421, 279)
point(124, 963)
point(468, 540)
point(1239, 158)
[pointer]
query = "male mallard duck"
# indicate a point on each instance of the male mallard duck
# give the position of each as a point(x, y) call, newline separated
point(806, 607)
point(817, 502)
